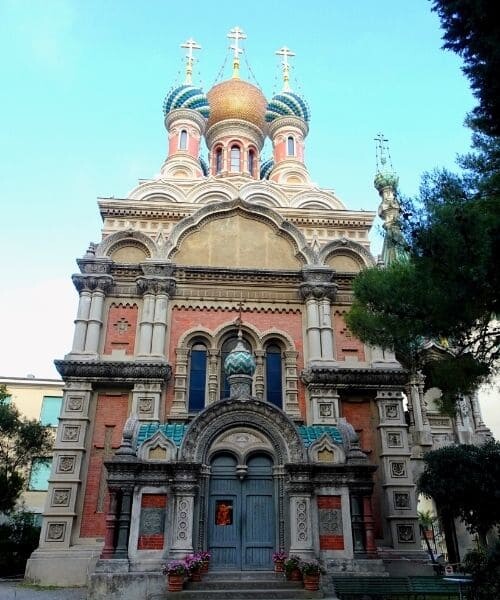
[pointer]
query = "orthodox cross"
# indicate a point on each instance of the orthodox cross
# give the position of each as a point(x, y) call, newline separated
point(190, 45)
point(285, 53)
point(106, 451)
point(239, 320)
point(236, 34)
point(383, 156)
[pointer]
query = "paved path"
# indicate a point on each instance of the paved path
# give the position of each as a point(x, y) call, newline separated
point(17, 591)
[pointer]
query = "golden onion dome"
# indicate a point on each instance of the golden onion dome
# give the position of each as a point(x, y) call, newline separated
point(237, 99)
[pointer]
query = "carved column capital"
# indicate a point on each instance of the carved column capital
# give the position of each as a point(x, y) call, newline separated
point(92, 283)
point(156, 285)
point(318, 290)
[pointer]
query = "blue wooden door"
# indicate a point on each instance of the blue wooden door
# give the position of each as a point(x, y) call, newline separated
point(241, 528)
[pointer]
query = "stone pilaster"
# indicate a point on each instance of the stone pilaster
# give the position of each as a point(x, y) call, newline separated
point(401, 523)
point(291, 407)
point(146, 401)
point(184, 489)
point(213, 374)
point(179, 405)
point(299, 490)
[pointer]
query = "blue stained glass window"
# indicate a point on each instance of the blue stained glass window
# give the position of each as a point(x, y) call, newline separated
point(197, 377)
point(183, 140)
point(274, 375)
point(51, 407)
point(290, 146)
point(39, 475)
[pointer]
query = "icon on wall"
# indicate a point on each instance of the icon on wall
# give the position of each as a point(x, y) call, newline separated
point(224, 512)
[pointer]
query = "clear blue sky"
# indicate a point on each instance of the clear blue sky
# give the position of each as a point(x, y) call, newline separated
point(80, 109)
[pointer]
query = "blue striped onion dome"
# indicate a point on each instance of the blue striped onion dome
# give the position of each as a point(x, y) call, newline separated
point(203, 165)
point(266, 167)
point(186, 96)
point(287, 104)
point(239, 361)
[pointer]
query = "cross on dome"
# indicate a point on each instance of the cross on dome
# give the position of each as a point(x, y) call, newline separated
point(236, 34)
point(191, 45)
point(285, 53)
point(383, 156)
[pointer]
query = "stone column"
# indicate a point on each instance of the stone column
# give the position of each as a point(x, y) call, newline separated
point(326, 328)
point(213, 375)
point(184, 489)
point(121, 550)
point(81, 320)
point(111, 522)
point(313, 331)
point(291, 406)
point(95, 322)
point(259, 374)
point(301, 534)
point(152, 330)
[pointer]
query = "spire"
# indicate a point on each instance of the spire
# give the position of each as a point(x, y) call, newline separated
point(386, 182)
point(191, 45)
point(285, 53)
point(236, 34)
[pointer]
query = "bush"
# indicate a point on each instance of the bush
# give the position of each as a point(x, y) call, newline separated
point(18, 538)
point(484, 566)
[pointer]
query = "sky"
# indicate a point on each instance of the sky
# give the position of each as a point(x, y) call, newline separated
point(80, 118)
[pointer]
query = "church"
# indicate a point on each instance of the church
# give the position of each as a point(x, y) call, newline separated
point(214, 398)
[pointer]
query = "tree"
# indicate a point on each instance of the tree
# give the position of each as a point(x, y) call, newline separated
point(472, 30)
point(21, 440)
point(464, 482)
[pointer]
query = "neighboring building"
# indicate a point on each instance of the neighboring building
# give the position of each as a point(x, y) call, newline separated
point(38, 399)
point(214, 397)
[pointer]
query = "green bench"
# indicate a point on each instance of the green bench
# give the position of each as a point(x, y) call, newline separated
point(395, 588)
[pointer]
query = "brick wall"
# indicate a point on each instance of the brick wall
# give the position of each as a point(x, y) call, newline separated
point(121, 328)
point(347, 347)
point(110, 417)
point(287, 321)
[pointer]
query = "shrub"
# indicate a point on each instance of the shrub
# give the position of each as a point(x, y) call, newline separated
point(18, 538)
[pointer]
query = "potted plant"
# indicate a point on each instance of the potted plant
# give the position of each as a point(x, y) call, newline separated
point(176, 571)
point(194, 564)
point(205, 558)
point(292, 568)
point(311, 571)
point(278, 560)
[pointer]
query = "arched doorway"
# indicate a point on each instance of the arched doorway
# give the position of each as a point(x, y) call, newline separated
point(241, 513)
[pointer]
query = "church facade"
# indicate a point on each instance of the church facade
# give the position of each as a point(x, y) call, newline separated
point(214, 398)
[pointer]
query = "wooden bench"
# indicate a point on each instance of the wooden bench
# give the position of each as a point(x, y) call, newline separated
point(395, 588)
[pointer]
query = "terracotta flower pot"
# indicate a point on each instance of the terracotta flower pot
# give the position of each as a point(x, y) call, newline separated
point(278, 566)
point(196, 574)
point(204, 566)
point(311, 582)
point(175, 583)
point(294, 575)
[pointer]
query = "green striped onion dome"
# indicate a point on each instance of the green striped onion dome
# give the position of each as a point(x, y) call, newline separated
point(266, 167)
point(186, 96)
point(287, 104)
point(239, 361)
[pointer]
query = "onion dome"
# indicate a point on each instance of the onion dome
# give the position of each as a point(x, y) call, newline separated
point(237, 99)
point(287, 104)
point(385, 179)
point(186, 96)
point(266, 168)
point(239, 361)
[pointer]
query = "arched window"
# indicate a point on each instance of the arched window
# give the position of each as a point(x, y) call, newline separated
point(251, 162)
point(274, 375)
point(218, 161)
point(290, 146)
point(197, 376)
point(183, 140)
point(235, 159)
point(227, 347)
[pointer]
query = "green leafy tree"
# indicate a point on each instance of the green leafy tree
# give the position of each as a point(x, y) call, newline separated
point(464, 482)
point(21, 440)
point(484, 566)
point(18, 538)
point(472, 30)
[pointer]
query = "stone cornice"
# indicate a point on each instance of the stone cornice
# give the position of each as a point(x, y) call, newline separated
point(121, 371)
point(353, 378)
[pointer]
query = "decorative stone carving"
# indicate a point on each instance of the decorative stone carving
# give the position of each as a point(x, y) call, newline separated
point(70, 433)
point(260, 416)
point(324, 450)
point(398, 469)
point(90, 265)
point(156, 285)
point(109, 370)
point(157, 269)
point(406, 533)
point(74, 404)
point(301, 520)
point(355, 377)
point(394, 439)
point(60, 497)
point(145, 405)
point(391, 411)
point(92, 283)
point(402, 500)
point(157, 447)
point(330, 521)
point(66, 464)
point(324, 405)
point(157, 453)
point(55, 532)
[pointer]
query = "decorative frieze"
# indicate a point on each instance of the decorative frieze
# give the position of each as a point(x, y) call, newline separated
point(113, 370)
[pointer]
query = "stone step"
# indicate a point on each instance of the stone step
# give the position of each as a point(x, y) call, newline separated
point(240, 594)
point(242, 584)
point(242, 575)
